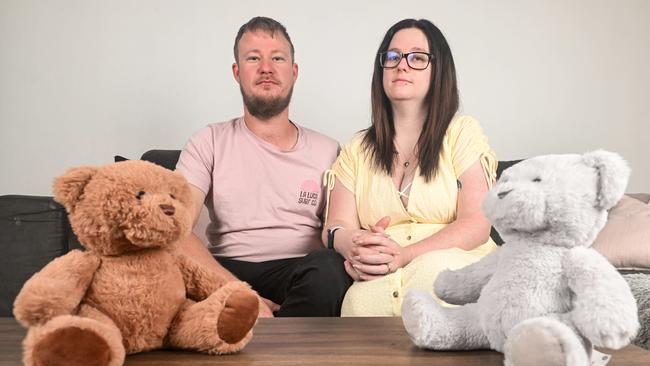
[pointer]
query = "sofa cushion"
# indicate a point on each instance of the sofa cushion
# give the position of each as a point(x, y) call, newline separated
point(164, 158)
point(625, 239)
point(643, 197)
point(118, 158)
point(33, 231)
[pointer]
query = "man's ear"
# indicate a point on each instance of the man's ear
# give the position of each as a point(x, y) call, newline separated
point(69, 187)
point(613, 174)
point(295, 72)
point(235, 71)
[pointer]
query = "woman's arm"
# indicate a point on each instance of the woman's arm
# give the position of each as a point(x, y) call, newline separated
point(468, 231)
point(343, 212)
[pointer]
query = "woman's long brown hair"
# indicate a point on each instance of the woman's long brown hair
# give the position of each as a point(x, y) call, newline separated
point(441, 99)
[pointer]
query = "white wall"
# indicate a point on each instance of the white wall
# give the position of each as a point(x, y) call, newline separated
point(83, 80)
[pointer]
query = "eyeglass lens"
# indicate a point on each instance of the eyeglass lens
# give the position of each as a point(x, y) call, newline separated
point(415, 60)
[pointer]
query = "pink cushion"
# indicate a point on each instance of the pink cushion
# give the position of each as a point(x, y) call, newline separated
point(625, 239)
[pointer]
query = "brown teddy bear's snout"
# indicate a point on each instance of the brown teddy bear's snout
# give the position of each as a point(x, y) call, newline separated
point(168, 209)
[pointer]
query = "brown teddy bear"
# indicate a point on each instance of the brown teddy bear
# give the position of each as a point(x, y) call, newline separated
point(128, 291)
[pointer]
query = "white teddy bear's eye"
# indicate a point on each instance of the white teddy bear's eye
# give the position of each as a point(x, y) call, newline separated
point(537, 180)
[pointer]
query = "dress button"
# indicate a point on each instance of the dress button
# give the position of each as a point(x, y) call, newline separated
point(395, 294)
point(408, 237)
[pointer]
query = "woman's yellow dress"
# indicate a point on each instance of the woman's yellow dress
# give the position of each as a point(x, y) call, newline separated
point(431, 206)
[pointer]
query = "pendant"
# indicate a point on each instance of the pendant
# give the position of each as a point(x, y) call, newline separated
point(406, 164)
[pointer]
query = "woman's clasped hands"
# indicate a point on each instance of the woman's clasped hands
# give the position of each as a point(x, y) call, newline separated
point(373, 254)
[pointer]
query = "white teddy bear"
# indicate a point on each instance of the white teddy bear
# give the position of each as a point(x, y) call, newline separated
point(544, 297)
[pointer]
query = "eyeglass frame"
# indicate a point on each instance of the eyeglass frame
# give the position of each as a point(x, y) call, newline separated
point(406, 55)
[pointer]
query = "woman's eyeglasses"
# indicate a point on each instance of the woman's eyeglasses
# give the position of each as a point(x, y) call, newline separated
point(414, 60)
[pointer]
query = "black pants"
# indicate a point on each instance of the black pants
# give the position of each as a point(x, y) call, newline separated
point(313, 285)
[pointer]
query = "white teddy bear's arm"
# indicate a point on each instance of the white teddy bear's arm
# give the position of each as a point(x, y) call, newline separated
point(604, 310)
point(464, 285)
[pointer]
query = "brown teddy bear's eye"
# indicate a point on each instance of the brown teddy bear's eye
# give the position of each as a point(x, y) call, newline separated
point(139, 195)
point(172, 196)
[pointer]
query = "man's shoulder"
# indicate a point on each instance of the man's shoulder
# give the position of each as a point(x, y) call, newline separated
point(215, 130)
point(223, 125)
point(320, 138)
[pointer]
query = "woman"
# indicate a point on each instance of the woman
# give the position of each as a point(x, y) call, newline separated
point(405, 194)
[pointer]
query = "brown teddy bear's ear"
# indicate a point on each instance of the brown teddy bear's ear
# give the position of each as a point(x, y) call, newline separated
point(69, 187)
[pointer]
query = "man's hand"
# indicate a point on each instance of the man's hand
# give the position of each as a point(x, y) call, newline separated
point(267, 307)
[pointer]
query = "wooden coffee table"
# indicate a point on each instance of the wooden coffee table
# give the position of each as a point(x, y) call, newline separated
point(316, 341)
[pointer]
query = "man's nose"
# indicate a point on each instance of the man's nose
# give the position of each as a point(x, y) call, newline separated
point(266, 65)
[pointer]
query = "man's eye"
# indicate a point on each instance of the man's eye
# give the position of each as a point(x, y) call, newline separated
point(278, 59)
point(252, 58)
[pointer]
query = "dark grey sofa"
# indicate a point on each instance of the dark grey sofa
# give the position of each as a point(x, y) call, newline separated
point(34, 230)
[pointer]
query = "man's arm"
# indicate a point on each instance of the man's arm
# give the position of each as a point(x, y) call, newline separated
point(192, 247)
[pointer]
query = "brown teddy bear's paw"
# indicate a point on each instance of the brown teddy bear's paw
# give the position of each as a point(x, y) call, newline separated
point(238, 316)
point(73, 340)
point(72, 346)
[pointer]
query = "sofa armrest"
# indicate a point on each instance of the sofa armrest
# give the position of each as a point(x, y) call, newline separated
point(33, 231)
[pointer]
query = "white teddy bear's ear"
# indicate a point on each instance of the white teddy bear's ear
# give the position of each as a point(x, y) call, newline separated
point(613, 174)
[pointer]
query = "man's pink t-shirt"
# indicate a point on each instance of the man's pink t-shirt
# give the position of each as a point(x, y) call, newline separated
point(264, 203)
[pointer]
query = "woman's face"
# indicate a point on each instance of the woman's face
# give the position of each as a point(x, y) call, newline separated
point(403, 83)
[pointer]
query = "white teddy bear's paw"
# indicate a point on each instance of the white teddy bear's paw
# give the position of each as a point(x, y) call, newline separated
point(444, 283)
point(613, 340)
point(421, 317)
point(609, 334)
point(544, 342)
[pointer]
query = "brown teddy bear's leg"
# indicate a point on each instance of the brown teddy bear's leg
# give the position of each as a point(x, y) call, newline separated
point(220, 324)
point(73, 340)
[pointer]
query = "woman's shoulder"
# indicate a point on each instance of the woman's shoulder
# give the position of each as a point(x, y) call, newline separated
point(462, 120)
point(463, 125)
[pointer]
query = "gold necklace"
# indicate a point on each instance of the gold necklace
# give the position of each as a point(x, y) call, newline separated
point(407, 162)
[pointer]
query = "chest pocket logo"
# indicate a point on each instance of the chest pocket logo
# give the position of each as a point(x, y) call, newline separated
point(308, 193)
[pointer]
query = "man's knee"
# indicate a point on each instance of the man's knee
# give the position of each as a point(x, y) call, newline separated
point(327, 262)
point(324, 270)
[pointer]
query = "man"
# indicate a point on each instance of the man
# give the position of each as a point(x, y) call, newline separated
point(260, 177)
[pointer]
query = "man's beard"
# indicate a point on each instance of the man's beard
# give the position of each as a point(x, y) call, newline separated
point(266, 108)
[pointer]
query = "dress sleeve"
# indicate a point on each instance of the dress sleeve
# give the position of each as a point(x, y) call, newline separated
point(468, 144)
